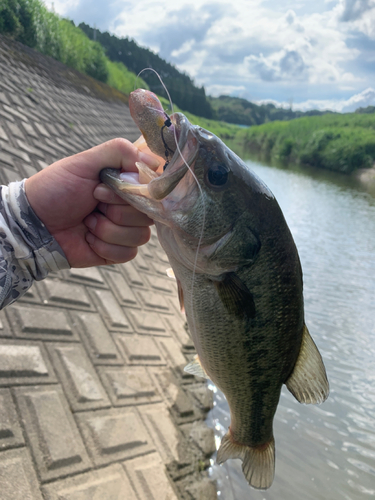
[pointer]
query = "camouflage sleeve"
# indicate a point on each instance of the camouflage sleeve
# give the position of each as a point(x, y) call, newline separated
point(28, 251)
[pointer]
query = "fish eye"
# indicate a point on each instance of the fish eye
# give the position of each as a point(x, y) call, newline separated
point(217, 175)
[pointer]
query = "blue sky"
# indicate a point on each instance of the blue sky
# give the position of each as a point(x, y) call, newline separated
point(314, 54)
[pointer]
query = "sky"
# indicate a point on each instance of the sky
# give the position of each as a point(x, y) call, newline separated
point(308, 54)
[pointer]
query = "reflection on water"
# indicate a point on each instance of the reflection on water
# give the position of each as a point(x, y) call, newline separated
point(327, 451)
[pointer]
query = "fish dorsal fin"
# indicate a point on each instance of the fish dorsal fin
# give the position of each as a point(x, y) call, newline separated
point(195, 368)
point(235, 296)
point(180, 295)
point(308, 382)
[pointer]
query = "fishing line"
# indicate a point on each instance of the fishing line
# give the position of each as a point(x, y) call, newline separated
point(201, 234)
point(199, 187)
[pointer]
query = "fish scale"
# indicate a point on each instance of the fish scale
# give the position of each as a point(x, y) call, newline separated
point(239, 279)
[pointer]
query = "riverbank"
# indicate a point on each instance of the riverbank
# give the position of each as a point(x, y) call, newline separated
point(342, 143)
point(97, 353)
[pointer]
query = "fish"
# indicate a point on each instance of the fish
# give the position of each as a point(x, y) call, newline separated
point(238, 275)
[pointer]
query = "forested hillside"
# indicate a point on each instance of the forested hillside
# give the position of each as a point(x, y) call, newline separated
point(181, 87)
point(243, 112)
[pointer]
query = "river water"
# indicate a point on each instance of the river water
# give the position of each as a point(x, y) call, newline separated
point(324, 452)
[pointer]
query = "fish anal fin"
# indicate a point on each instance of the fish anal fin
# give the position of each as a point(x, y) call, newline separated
point(195, 368)
point(236, 297)
point(258, 463)
point(308, 382)
point(180, 296)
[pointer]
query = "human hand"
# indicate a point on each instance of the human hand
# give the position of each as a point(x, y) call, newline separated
point(92, 224)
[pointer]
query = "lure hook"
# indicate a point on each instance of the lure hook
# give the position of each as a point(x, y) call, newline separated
point(168, 150)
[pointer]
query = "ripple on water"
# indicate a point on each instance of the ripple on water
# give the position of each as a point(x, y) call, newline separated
point(361, 489)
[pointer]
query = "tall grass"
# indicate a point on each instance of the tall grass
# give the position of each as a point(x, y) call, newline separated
point(335, 142)
point(123, 79)
point(31, 23)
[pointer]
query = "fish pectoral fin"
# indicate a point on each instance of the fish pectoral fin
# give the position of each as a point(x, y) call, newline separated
point(236, 297)
point(258, 463)
point(195, 368)
point(308, 382)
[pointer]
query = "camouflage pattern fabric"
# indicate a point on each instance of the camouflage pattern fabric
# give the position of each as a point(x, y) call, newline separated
point(28, 251)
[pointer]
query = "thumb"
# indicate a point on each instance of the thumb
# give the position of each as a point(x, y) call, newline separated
point(117, 153)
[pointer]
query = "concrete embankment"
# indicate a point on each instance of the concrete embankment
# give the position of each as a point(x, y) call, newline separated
point(94, 402)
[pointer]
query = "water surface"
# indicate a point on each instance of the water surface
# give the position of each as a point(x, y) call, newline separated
point(324, 452)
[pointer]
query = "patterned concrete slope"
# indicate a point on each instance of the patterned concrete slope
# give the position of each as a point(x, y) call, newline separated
point(93, 400)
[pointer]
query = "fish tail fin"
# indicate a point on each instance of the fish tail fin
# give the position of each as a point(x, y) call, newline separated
point(258, 462)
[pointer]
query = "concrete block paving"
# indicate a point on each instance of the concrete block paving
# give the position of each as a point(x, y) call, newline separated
point(94, 403)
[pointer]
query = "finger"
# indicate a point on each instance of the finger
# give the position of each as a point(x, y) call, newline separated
point(112, 254)
point(117, 153)
point(107, 195)
point(124, 215)
point(107, 231)
point(142, 146)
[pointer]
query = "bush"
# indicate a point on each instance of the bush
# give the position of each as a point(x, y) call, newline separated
point(78, 52)
point(341, 142)
point(16, 20)
point(312, 152)
point(47, 27)
point(286, 148)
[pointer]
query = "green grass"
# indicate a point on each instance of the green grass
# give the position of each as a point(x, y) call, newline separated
point(31, 23)
point(335, 142)
point(122, 79)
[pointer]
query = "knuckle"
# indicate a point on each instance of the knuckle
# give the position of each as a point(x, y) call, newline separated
point(121, 145)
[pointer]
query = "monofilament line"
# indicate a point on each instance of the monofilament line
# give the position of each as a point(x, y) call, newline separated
point(200, 190)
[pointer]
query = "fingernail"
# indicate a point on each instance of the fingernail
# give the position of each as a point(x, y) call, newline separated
point(91, 222)
point(90, 238)
point(104, 193)
point(151, 161)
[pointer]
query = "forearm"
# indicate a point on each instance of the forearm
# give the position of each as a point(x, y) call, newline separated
point(28, 252)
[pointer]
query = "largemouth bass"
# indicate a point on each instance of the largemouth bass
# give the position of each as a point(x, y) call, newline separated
point(238, 273)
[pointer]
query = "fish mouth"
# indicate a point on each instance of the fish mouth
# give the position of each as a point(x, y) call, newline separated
point(146, 182)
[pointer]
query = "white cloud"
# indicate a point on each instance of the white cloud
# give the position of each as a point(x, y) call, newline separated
point(361, 100)
point(62, 7)
point(352, 10)
point(254, 47)
point(232, 90)
point(356, 15)
point(308, 49)
point(281, 65)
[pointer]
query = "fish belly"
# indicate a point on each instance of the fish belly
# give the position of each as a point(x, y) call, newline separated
point(241, 359)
